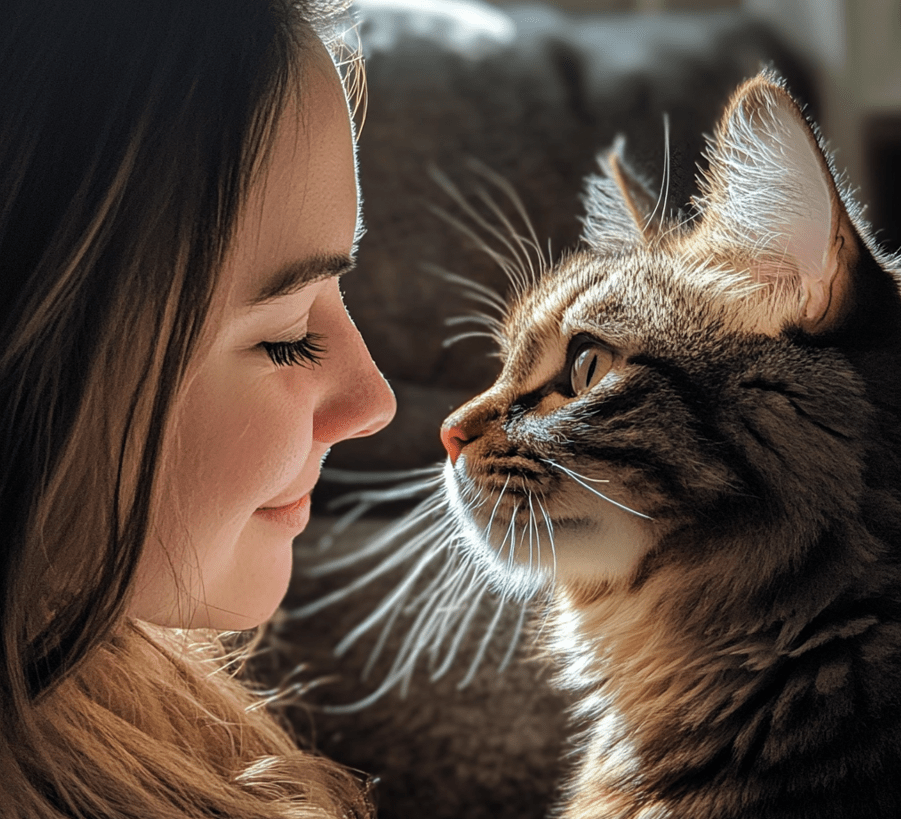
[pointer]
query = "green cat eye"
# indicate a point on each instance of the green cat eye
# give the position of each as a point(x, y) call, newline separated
point(591, 364)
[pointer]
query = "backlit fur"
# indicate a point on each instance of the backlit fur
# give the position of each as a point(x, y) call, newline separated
point(718, 519)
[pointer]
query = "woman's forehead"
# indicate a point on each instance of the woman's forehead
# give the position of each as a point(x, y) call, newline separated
point(303, 205)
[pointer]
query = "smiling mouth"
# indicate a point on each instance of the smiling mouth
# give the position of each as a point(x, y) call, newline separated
point(294, 516)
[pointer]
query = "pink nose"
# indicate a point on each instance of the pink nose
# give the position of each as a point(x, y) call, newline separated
point(453, 439)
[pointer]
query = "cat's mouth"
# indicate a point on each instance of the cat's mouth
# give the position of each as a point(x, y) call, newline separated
point(526, 473)
point(511, 487)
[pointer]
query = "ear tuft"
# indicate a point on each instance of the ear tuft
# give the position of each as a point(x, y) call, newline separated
point(620, 208)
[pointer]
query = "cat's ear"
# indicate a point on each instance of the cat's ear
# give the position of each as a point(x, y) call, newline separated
point(770, 201)
point(620, 209)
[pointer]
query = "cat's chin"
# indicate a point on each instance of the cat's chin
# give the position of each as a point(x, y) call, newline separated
point(522, 558)
point(512, 579)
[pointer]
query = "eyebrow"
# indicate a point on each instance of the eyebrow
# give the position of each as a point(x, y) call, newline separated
point(293, 276)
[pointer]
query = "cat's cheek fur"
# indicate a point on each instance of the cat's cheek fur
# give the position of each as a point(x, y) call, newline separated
point(576, 542)
point(606, 548)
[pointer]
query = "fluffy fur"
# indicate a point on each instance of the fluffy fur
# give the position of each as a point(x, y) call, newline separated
point(692, 458)
point(717, 509)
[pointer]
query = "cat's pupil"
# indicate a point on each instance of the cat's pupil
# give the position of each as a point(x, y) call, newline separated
point(590, 366)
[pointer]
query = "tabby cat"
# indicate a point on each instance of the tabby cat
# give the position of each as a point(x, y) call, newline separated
point(695, 444)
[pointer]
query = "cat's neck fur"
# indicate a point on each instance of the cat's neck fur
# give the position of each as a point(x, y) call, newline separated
point(749, 666)
point(701, 699)
point(743, 405)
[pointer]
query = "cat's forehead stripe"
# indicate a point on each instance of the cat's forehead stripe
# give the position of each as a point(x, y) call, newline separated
point(613, 296)
point(603, 298)
point(595, 310)
point(624, 301)
point(538, 352)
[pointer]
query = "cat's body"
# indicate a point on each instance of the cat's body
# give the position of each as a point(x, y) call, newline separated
point(695, 442)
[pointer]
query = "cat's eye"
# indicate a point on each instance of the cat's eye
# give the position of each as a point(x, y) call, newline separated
point(590, 365)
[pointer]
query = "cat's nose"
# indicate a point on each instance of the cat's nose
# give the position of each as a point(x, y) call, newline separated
point(454, 439)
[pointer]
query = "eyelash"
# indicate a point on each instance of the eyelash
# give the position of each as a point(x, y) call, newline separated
point(306, 351)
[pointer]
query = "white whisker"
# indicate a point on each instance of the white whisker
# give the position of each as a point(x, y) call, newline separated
point(474, 317)
point(511, 533)
point(451, 606)
point(385, 605)
point(382, 639)
point(514, 242)
point(471, 289)
point(594, 491)
point(494, 510)
point(449, 342)
point(504, 185)
point(514, 638)
point(532, 524)
point(376, 496)
point(437, 602)
point(438, 584)
point(665, 181)
point(450, 609)
point(356, 476)
point(483, 646)
point(390, 681)
point(378, 545)
point(462, 630)
point(518, 266)
point(502, 261)
point(424, 624)
point(550, 534)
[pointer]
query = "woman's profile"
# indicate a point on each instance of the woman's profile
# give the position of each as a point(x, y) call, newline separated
point(178, 197)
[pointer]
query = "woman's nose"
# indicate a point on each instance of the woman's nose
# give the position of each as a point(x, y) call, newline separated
point(358, 401)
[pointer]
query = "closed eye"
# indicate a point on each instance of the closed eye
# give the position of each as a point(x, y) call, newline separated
point(306, 352)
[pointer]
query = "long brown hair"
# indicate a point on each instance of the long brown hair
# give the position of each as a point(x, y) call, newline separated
point(129, 133)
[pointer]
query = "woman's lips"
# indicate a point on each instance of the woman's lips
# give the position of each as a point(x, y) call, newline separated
point(294, 516)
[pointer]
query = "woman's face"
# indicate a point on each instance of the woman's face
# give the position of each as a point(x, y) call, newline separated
point(258, 416)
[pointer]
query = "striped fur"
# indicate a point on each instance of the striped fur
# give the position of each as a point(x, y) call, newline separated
point(719, 516)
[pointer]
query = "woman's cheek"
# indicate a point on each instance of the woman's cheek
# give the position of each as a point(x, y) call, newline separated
point(267, 435)
point(242, 438)
point(287, 436)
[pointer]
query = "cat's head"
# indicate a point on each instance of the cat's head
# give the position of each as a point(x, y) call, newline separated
point(686, 391)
